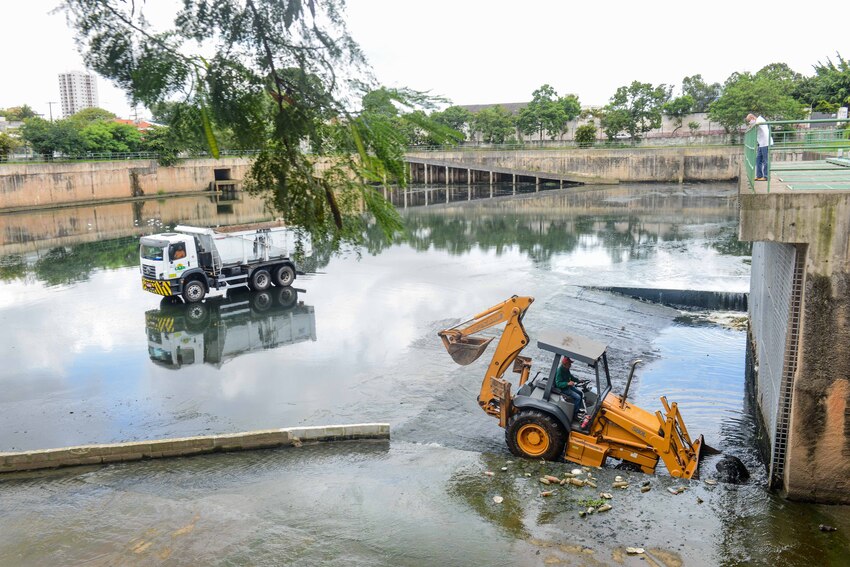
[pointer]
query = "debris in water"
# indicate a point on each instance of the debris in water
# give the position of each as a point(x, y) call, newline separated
point(498, 499)
point(582, 514)
point(489, 473)
point(699, 500)
point(504, 468)
point(635, 550)
point(590, 483)
point(563, 481)
point(552, 479)
point(672, 491)
point(646, 483)
point(296, 442)
point(604, 508)
point(546, 493)
point(577, 481)
point(544, 480)
point(606, 495)
point(528, 474)
point(590, 510)
point(620, 484)
point(710, 481)
point(618, 478)
point(676, 490)
point(575, 472)
point(645, 488)
point(825, 528)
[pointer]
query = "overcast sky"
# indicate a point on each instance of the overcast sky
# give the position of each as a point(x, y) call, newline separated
point(486, 51)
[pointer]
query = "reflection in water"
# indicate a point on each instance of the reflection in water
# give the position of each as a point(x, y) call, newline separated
point(220, 329)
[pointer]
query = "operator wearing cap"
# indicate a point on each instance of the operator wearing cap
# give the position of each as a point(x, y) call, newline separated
point(566, 382)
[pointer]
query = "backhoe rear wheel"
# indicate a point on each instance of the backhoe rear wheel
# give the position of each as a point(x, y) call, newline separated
point(535, 435)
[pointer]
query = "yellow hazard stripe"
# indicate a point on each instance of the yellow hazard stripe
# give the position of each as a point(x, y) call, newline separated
point(153, 286)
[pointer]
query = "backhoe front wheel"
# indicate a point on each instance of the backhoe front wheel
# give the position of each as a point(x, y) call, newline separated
point(535, 435)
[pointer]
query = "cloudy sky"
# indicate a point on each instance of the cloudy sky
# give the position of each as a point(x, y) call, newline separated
point(484, 51)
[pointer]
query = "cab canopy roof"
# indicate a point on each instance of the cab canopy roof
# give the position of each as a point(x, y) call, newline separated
point(573, 346)
point(157, 240)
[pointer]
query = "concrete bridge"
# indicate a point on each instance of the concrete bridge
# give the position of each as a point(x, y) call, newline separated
point(799, 306)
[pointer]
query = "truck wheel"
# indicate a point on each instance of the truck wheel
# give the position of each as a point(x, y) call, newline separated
point(535, 435)
point(261, 280)
point(194, 291)
point(284, 275)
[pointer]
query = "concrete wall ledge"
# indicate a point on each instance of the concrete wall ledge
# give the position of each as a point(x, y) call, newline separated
point(185, 446)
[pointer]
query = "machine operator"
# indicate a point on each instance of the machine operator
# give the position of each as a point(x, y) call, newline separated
point(567, 383)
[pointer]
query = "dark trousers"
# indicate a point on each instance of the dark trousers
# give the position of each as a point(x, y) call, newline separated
point(575, 397)
point(761, 162)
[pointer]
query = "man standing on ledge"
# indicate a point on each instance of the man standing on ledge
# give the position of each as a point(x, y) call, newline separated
point(764, 140)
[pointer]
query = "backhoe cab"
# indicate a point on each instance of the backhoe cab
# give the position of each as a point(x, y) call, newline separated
point(539, 423)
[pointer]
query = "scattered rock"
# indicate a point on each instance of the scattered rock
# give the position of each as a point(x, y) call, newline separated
point(620, 484)
point(645, 488)
point(672, 491)
point(590, 483)
point(731, 469)
point(699, 500)
point(582, 514)
point(646, 483)
point(528, 474)
point(544, 480)
point(546, 493)
point(710, 481)
point(489, 473)
point(552, 479)
point(606, 495)
point(498, 499)
point(296, 442)
point(604, 508)
point(575, 472)
point(590, 510)
point(635, 550)
point(576, 481)
point(825, 528)
point(504, 468)
point(618, 478)
point(563, 481)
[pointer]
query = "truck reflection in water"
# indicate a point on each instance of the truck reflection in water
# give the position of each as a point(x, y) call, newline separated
point(218, 330)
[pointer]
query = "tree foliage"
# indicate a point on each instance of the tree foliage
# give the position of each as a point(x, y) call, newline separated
point(831, 82)
point(281, 77)
point(702, 93)
point(586, 135)
point(547, 112)
point(455, 117)
point(678, 108)
point(766, 92)
point(7, 144)
point(635, 109)
point(495, 124)
point(18, 113)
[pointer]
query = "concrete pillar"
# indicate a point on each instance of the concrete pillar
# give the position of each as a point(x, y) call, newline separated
point(806, 403)
point(406, 190)
point(469, 177)
point(491, 184)
point(513, 183)
point(560, 184)
point(536, 184)
point(425, 173)
point(447, 176)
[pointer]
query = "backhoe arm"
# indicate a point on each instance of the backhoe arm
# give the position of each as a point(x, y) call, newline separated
point(465, 348)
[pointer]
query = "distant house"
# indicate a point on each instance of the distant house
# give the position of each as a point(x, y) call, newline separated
point(140, 125)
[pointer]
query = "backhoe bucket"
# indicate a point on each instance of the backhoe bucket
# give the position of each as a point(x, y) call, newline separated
point(465, 350)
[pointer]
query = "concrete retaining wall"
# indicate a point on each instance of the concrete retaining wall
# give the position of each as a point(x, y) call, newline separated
point(51, 184)
point(136, 451)
point(692, 163)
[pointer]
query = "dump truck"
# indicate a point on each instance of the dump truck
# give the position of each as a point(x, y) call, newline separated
point(540, 423)
point(190, 262)
point(215, 331)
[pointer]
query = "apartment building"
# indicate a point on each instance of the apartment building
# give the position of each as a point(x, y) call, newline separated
point(77, 90)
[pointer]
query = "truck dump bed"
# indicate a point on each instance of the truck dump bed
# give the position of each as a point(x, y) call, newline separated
point(246, 246)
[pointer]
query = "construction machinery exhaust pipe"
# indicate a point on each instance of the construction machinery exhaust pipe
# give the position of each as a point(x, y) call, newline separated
point(464, 350)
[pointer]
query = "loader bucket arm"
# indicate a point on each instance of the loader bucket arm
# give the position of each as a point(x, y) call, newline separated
point(464, 348)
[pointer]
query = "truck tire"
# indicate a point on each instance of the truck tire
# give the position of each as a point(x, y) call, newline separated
point(194, 291)
point(284, 275)
point(535, 435)
point(261, 280)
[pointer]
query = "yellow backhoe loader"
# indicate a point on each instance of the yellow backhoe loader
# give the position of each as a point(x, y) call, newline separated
point(540, 423)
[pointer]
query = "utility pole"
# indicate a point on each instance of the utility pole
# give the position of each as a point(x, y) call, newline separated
point(50, 105)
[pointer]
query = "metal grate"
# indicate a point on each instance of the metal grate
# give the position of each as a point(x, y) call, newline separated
point(783, 415)
point(149, 271)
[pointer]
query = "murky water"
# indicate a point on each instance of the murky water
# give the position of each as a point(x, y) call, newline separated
point(90, 357)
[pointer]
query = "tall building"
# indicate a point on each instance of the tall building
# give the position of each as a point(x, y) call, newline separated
point(77, 90)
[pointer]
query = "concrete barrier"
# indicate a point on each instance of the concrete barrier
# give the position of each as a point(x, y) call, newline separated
point(185, 446)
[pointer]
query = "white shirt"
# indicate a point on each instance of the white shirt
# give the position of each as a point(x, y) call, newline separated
point(764, 138)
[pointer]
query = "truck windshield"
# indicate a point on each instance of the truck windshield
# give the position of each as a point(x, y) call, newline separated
point(151, 252)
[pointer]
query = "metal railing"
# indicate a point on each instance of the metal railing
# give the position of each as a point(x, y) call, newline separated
point(699, 140)
point(794, 142)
